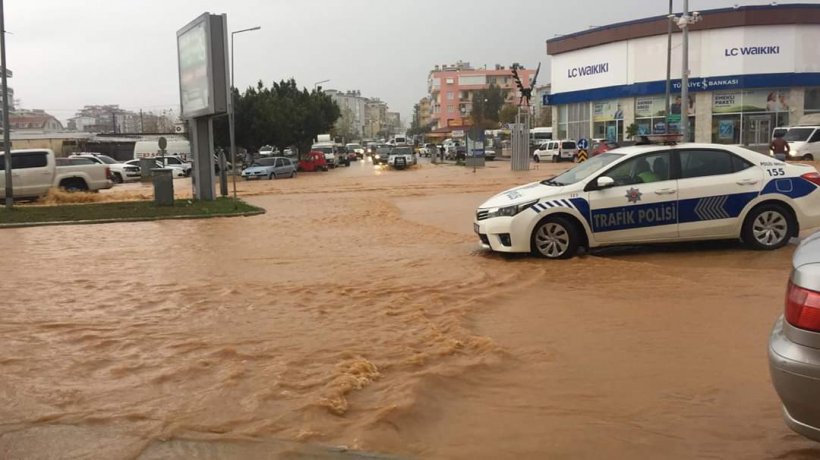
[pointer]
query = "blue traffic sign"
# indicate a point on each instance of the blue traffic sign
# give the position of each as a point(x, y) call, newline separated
point(583, 144)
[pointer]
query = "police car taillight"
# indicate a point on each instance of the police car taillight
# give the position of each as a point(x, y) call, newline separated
point(813, 177)
point(803, 308)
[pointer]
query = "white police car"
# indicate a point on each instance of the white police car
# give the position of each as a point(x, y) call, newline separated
point(655, 193)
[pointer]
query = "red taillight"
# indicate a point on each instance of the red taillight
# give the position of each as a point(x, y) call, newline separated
point(813, 177)
point(108, 173)
point(803, 308)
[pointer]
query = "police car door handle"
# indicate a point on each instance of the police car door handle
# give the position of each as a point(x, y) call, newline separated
point(665, 191)
point(747, 182)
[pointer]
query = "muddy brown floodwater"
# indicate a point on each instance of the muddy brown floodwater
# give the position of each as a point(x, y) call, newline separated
point(359, 312)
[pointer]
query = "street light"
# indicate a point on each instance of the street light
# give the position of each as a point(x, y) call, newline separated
point(316, 85)
point(231, 115)
point(684, 21)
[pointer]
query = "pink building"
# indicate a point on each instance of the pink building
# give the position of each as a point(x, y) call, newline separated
point(452, 87)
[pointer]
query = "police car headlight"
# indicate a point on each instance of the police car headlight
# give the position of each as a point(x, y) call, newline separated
point(510, 211)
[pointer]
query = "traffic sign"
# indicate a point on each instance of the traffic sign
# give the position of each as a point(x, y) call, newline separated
point(583, 144)
point(582, 156)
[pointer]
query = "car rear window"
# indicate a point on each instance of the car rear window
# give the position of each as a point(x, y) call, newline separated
point(568, 145)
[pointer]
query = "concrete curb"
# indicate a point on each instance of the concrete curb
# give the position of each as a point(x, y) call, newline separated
point(130, 219)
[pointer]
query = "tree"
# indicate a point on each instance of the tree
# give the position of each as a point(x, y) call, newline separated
point(282, 115)
point(346, 125)
point(487, 105)
point(508, 113)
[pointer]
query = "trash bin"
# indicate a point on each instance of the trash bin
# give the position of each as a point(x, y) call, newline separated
point(146, 165)
point(163, 179)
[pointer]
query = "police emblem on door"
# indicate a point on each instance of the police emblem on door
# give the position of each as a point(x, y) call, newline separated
point(633, 195)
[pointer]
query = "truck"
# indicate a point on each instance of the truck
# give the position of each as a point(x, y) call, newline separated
point(35, 171)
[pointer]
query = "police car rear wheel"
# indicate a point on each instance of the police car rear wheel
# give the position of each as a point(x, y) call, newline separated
point(555, 238)
point(768, 227)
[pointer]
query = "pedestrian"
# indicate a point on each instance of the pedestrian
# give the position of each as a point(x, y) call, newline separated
point(779, 147)
point(441, 151)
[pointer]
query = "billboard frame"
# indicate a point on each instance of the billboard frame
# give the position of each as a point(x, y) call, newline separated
point(216, 39)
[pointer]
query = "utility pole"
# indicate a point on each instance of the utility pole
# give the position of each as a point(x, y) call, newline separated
point(142, 126)
point(668, 68)
point(684, 22)
point(6, 129)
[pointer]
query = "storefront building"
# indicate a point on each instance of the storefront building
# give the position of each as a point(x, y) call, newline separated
point(752, 69)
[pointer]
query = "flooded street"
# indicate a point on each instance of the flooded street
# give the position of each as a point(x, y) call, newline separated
point(360, 312)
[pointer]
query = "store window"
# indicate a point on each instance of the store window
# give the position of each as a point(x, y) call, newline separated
point(812, 102)
point(650, 114)
point(573, 121)
point(608, 120)
point(748, 117)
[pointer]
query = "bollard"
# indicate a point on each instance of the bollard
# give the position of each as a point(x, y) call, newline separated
point(163, 186)
point(146, 165)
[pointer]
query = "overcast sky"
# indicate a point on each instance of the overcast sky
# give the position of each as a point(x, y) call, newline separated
point(66, 54)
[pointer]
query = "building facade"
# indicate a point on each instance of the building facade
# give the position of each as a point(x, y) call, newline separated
point(34, 121)
point(451, 89)
point(751, 69)
point(352, 106)
point(424, 117)
point(375, 119)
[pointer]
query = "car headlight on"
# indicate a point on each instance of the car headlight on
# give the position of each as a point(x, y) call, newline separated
point(377, 156)
point(510, 211)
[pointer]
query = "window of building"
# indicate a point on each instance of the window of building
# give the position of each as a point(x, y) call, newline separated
point(450, 81)
point(451, 108)
point(812, 101)
point(608, 120)
point(573, 121)
point(450, 95)
point(748, 117)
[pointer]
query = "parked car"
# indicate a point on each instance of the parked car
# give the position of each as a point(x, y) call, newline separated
point(313, 161)
point(175, 161)
point(35, 171)
point(118, 170)
point(794, 344)
point(329, 151)
point(804, 142)
point(655, 194)
point(177, 170)
point(555, 151)
point(599, 147)
point(270, 168)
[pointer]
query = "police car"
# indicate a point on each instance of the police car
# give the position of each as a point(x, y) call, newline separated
point(655, 193)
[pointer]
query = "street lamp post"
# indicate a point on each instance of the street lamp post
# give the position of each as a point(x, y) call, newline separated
point(316, 85)
point(684, 22)
point(6, 135)
point(231, 128)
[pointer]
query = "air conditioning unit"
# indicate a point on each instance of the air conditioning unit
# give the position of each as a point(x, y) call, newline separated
point(179, 129)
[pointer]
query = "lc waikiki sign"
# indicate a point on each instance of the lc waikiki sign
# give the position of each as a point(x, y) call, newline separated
point(751, 51)
point(584, 71)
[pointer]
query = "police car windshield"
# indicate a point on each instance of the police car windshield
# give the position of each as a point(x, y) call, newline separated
point(583, 170)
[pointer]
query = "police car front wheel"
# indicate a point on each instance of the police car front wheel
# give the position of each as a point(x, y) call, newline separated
point(555, 238)
point(769, 226)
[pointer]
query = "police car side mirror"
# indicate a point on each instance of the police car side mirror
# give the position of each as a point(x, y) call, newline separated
point(604, 182)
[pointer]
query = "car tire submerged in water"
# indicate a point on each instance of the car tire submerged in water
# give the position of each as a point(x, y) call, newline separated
point(117, 178)
point(768, 226)
point(536, 159)
point(808, 157)
point(555, 237)
point(292, 174)
point(272, 176)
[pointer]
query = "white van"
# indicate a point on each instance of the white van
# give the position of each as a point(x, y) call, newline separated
point(804, 142)
point(540, 135)
point(176, 147)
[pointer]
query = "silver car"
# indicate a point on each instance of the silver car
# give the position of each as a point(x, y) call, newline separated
point(794, 345)
point(270, 168)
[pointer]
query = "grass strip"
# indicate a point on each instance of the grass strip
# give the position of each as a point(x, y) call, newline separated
point(126, 211)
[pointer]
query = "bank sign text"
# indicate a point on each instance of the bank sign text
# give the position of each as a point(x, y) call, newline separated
point(588, 70)
point(751, 50)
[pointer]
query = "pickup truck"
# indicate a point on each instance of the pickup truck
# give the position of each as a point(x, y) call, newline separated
point(35, 171)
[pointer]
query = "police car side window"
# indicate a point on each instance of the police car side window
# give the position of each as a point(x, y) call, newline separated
point(653, 167)
point(703, 163)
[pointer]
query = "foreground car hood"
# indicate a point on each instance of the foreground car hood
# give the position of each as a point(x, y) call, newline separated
point(522, 194)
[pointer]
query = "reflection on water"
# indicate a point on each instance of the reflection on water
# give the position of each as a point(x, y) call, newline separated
point(357, 312)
